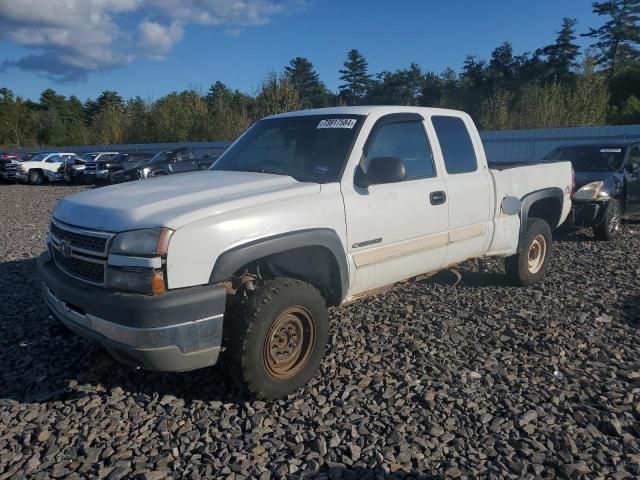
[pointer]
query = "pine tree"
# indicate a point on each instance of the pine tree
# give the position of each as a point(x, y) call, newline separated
point(313, 93)
point(355, 77)
point(619, 36)
point(562, 55)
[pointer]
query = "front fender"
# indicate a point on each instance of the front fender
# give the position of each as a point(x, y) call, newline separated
point(232, 260)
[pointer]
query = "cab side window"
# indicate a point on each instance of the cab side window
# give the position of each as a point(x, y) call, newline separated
point(455, 142)
point(54, 159)
point(406, 141)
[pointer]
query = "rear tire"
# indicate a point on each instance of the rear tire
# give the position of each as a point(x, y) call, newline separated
point(530, 265)
point(36, 177)
point(278, 339)
point(609, 228)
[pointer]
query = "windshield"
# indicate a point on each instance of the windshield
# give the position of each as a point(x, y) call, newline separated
point(87, 157)
point(589, 158)
point(310, 148)
point(160, 157)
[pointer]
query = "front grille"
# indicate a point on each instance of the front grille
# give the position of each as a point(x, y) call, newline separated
point(82, 269)
point(91, 166)
point(78, 252)
point(80, 240)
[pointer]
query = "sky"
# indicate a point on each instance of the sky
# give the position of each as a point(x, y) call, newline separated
point(148, 48)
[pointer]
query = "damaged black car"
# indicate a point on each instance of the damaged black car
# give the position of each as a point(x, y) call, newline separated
point(607, 188)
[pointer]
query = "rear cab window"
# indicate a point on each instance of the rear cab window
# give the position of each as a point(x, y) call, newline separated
point(456, 145)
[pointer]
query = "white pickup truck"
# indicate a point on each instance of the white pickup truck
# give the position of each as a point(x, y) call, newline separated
point(44, 167)
point(306, 210)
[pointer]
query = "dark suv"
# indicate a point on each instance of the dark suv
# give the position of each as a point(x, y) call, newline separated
point(607, 184)
point(103, 167)
point(176, 160)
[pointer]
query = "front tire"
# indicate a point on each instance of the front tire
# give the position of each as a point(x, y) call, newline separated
point(609, 228)
point(530, 265)
point(36, 177)
point(278, 340)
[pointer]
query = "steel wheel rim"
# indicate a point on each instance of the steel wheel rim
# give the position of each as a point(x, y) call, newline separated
point(614, 218)
point(537, 253)
point(289, 343)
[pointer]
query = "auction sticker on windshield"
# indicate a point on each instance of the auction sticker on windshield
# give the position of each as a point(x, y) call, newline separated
point(337, 123)
point(610, 150)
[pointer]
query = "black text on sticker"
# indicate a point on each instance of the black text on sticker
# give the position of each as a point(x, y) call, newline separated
point(337, 123)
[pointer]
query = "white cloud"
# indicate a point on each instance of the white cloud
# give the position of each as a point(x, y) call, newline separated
point(157, 40)
point(72, 38)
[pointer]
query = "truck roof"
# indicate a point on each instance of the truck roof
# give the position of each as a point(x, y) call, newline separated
point(366, 110)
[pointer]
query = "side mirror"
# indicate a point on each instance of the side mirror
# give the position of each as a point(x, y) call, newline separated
point(381, 170)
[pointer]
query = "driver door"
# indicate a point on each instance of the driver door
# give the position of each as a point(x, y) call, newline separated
point(397, 230)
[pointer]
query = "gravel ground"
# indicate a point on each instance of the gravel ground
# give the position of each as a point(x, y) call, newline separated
point(428, 380)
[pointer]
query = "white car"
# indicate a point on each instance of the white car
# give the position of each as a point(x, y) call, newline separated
point(44, 167)
point(306, 210)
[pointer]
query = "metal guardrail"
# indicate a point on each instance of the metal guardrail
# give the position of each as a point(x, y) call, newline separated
point(504, 145)
point(523, 145)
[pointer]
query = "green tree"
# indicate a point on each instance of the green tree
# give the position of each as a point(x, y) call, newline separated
point(276, 95)
point(501, 69)
point(313, 93)
point(628, 113)
point(618, 38)
point(496, 111)
point(402, 87)
point(562, 55)
point(355, 77)
point(228, 111)
point(431, 90)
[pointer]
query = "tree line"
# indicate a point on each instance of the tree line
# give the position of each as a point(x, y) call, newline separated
point(557, 85)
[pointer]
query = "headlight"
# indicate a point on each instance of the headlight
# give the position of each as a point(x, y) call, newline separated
point(590, 191)
point(140, 279)
point(135, 279)
point(144, 173)
point(153, 241)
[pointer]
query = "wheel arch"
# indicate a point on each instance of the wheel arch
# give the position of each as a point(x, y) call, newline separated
point(545, 204)
point(314, 255)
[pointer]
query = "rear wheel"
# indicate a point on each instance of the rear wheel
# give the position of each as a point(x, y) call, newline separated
point(36, 177)
point(609, 228)
point(530, 265)
point(278, 340)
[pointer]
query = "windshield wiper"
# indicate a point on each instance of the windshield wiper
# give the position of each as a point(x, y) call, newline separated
point(264, 170)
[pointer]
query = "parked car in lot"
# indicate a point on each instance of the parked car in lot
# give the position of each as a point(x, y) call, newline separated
point(176, 160)
point(44, 167)
point(607, 184)
point(8, 167)
point(102, 169)
point(306, 210)
point(72, 169)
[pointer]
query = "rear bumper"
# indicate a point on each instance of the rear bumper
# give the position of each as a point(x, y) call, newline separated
point(586, 214)
point(178, 331)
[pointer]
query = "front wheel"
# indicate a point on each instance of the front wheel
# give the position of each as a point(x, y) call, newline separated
point(279, 340)
point(529, 266)
point(610, 226)
point(36, 177)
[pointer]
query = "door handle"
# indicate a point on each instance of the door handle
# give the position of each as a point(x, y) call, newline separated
point(438, 198)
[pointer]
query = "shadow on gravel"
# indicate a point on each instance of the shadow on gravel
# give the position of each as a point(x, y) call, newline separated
point(631, 310)
point(40, 360)
point(359, 473)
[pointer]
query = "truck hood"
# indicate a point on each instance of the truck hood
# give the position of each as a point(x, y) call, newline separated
point(175, 200)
